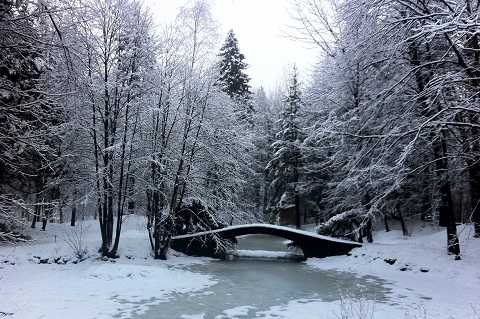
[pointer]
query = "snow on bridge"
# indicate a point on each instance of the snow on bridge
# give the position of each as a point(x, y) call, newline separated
point(311, 244)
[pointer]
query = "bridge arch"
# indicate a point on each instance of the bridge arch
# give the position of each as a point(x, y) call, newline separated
point(207, 243)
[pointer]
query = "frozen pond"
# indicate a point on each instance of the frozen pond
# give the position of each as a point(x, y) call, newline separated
point(247, 286)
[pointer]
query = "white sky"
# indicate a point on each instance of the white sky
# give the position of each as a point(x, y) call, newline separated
point(258, 25)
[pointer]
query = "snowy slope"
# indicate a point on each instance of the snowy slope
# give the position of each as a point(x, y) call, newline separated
point(426, 281)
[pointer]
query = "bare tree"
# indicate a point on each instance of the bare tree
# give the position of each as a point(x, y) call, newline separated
point(116, 52)
point(194, 148)
point(402, 113)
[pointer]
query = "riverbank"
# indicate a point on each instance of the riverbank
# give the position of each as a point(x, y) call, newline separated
point(43, 279)
point(426, 282)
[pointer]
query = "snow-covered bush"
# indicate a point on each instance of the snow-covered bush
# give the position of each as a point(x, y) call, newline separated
point(75, 238)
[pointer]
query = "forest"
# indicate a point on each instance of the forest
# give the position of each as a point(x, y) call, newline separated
point(104, 113)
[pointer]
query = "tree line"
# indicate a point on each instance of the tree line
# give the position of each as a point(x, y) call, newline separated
point(393, 107)
point(104, 113)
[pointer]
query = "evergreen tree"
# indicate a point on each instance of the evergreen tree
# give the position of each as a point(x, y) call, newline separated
point(263, 134)
point(286, 162)
point(29, 118)
point(233, 79)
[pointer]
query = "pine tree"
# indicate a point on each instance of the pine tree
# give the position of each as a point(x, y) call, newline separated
point(286, 162)
point(233, 80)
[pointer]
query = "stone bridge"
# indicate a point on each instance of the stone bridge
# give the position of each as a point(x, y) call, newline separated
point(217, 242)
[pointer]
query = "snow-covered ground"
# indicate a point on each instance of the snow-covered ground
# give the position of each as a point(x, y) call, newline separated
point(426, 281)
point(42, 279)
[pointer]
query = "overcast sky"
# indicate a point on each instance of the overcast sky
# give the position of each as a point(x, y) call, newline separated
point(258, 25)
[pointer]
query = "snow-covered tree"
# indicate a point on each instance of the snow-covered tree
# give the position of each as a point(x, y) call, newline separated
point(233, 79)
point(394, 90)
point(263, 131)
point(285, 166)
point(113, 50)
point(193, 142)
point(30, 116)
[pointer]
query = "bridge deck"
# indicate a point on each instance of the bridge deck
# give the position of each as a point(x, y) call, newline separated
point(312, 245)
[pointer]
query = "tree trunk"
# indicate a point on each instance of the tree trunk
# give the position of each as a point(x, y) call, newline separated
point(44, 224)
point(164, 250)
point(297, 211)
point(150, 219)
point(74, 215)
point(438, 139)
point(60, 212)
point(156, 207)
point(296, 195)
point(404, 225)
point(426, 202)
point(45, 214)
point(474, 172)
point(446, 213)
point(156, 238)
point(36, 214)
point(473, 44)
point(476, 219)
point(368, 230)
point(385, 223)
point(360, 235)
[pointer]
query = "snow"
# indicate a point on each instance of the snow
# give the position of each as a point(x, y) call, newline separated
point(423, 276)
point(92, 288)
point(236, 312)
point(263, 254)
point(42, 279)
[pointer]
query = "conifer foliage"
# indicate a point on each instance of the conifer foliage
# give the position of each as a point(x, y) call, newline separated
point(29, 117)
point(286, 162)
point(233, 79)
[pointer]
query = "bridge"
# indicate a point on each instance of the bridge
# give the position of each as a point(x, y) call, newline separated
point(216, 243)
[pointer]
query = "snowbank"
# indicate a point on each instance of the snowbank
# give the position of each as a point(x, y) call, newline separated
point(93, 288)
point(426, 282)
